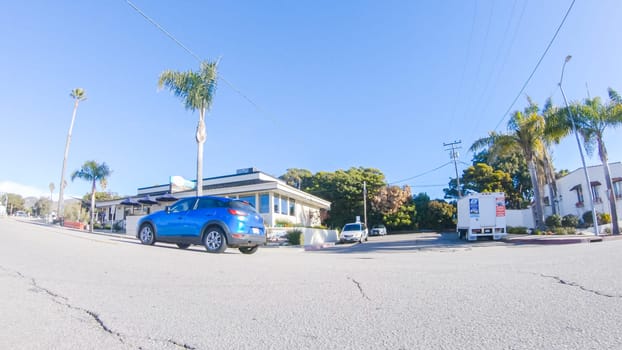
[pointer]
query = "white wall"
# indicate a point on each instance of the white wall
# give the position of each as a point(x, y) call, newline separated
point(519, 218)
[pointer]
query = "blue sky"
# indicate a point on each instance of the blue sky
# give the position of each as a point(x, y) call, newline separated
point(342, 84)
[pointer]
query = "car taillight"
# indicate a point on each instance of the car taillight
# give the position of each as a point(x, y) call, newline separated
point(237, 212)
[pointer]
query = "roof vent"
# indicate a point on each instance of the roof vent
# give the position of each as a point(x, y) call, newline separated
point(245, 171)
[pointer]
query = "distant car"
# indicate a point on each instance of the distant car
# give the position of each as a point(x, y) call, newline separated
point(21, 214)
point(378, 230)
point(354, 232)
point(215, 222)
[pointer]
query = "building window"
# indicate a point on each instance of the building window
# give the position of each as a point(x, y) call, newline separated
point(617, 189)
point(547, 201)
point(250, 199)
point(264, 203)
point(579, 195)
point(277, 202)
point(597, 198)
point(284, 205)
point(292, 207)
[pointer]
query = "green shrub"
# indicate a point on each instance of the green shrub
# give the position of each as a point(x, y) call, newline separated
point(553, 221)
point(570, 221)
point(519, 230)
point(283, 223)
point(564, 231)
point(538, 232)
point(294, 237)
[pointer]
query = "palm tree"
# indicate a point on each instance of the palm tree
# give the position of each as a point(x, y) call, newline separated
point(78, 95)
point(593, 118)
point(197, 90)
point(94, 172)
point(526, 130)
point(51, 187)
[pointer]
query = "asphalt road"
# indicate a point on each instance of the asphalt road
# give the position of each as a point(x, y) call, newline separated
point(63, 289)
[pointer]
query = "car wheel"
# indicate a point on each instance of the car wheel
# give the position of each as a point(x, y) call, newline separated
point(249, 250)
point(183, 245)
point(214, 240)
point(146, 234)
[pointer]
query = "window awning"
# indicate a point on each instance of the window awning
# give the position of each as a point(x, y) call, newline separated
point(616, 179)
point(575, 187)
point(595, 183)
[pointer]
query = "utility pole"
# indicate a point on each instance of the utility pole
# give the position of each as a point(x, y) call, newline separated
point(453, 155)
point(365, 202)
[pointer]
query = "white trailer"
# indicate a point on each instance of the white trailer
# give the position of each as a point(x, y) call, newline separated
point(481, 215)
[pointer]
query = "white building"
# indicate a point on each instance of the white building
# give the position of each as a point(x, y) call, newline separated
point(276, 201)
point(573, 197)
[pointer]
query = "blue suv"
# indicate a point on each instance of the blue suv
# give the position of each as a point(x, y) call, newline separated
point(215, 222)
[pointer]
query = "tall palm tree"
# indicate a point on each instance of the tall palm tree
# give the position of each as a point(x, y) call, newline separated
point(526, 130)
point(593, 118)
point(78, 96)
point(93, 172)
point(51, 187)
point(197, 90)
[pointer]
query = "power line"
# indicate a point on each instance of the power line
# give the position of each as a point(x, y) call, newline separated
point(537, 64)
point(419, 175)
point(152, 21)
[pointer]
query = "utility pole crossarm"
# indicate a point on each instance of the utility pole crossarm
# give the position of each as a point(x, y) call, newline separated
point(454, 157)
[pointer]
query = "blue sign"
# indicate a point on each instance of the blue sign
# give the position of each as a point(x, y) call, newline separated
point(474, 207)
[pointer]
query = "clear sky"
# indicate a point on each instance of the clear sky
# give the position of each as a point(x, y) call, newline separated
point(338, 84)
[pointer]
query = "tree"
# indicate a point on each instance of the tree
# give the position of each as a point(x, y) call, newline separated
point(344, 189)
point(93, 172)
point(298, 178)
point(526, 132)
point(593, 118)
point(393, 204)
point(197, 90)
point(15, 202)
point(78, 95)
point(51, 186)
point(42, 207)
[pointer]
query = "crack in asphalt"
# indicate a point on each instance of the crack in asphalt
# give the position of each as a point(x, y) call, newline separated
point(574, 284)
point(183, 346)
point(64, 301)
point(358, 285)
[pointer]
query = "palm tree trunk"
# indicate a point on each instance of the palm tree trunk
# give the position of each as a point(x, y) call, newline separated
point(200, 137)
point(538, 215)
point(602, 151)
point(92, 207)
point(61, 191)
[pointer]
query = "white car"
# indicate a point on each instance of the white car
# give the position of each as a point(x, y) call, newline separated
point(354, 232)
point(378, 230)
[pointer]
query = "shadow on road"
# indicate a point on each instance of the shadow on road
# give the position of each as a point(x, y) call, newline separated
point(410, 242)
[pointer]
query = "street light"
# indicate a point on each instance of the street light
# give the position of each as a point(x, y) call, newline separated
point(576, 134)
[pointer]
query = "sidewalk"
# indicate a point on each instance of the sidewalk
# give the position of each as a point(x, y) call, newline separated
point(558, 239)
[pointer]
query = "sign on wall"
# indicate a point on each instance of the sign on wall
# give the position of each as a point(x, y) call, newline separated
point(474, 207)
point(180, 184)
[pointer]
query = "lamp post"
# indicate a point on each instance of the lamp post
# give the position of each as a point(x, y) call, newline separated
point(576, 134)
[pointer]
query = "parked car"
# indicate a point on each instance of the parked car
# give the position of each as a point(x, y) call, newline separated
point(215, 222)
point(354, 232)
point(378, 230)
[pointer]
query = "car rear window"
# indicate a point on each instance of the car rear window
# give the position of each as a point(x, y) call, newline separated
point(235, 204)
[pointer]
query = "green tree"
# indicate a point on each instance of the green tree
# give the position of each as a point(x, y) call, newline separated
point(15, 202)
point(93, 172)
point(433, 214)
point(298, 178)
point(78, 96)
point(42, 207)
point(344, 189)
point(526, 133)
point(401, 219)
point(197, 91)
